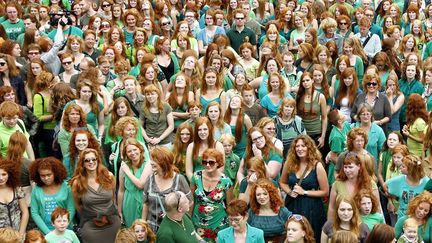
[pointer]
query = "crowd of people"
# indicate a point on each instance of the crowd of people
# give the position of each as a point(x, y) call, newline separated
point(215, 121)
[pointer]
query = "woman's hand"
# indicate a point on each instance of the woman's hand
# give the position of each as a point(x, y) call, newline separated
point(112, 157)
point(125, 168)
point(405, 130)
point(252, 178)
point(390, 206)
point(256, 151)
point(321, 141)
point(293, 194)
point(298, 189)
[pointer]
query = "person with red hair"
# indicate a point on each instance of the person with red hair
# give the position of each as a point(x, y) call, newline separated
point(267, 211)
point(417, 119)
point(51, 191)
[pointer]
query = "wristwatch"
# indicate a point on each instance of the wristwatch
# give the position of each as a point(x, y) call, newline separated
point(305, 193)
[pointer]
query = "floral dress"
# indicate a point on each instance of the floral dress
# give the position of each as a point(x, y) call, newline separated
point(209, 215)
point(10, 213)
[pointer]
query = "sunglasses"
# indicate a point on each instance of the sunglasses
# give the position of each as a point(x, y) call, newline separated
point(208, 162)
point(90, 160)
point(106, 5)
point(67, 63)
point(33, 53)
point(2, 64)
point(297, 217)
point(165, 24)
point(371, 84)
point(105, 25)
point(239, 18)
point(343, 23)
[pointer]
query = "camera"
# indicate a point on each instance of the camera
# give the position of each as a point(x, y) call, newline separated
point(56, 17)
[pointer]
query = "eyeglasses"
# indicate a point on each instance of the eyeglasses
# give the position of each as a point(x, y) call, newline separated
point(271, 128)
point(67, 63)
point(165, 24)
point(297, 217)
point(208, 162)
point(257, 138)
point(371, 84)
point(90, 160)
point(235, 220)
point(189, 16)
point(239, 18)
point(33, 53)
point(2, 64)
point(369, 15)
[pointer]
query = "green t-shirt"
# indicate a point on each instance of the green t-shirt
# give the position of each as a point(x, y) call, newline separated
point(172, 231)
point(338, 137)
point(69, 236)
point(372, 219)
point(14, 30)
point(232, 164)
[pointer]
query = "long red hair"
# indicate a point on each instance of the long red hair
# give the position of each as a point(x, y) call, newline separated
point(344, 90)
point(79, 180)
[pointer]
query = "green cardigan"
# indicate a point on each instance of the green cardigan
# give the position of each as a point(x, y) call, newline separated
point(64, 199)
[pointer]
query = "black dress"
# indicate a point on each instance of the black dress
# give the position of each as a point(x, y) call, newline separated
point(310, 207)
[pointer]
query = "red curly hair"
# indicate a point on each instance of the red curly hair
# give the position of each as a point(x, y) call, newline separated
point(292, 162)
point(13, 172)
point(416, 108)
point(79, 180)
point(276, 201)
point(50, 163)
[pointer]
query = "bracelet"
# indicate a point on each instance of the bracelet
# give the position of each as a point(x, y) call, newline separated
point(305, 193)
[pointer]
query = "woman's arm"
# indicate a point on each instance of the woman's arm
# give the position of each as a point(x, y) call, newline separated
point(28, 95)
point(29, 151)
point(189, 162)
point(101, 125)
point(247, 121)
point(24, 216)
point(256, 82)
point(138, 182)
point(332, 201)
point(323, 105)
point(284, 180)
point(145, 211)
point(37, 218)
point(240, 171)
point(273, 168)
point(201, 48)
point(398, 104)
point(120, 194)
point(170, 128)
point(223, 102)
point(324, 237)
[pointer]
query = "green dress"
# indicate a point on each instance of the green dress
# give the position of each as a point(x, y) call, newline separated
point(132, 199)
point(240, 146)
point(209, 215)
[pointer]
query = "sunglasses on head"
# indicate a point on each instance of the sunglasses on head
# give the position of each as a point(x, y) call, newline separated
point(296, 217)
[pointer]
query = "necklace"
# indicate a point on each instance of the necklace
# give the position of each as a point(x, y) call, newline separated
point(181, 223)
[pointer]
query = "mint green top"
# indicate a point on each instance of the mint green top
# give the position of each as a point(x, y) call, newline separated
point(372, 219)
point(67, 236)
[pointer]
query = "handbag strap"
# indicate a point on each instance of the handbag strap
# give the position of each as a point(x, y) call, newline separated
point(302, 176)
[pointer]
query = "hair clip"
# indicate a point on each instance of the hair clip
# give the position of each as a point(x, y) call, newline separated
point(418, 162)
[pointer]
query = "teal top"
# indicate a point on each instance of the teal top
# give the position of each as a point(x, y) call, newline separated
point(262, 89)
point(204, 102)
point(132, 198)
point(407, 89)
point(253, 235)
point(68, 236)
point(376, 139)
point(240, 147)
point(63, 198)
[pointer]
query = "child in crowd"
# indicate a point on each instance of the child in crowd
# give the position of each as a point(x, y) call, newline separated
point(60, 220)
point(194, 109)
point(337, 140)
point(143, 232)
point(410, 234)
point(253, 109)
point(232, 161)
point(369, 211)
